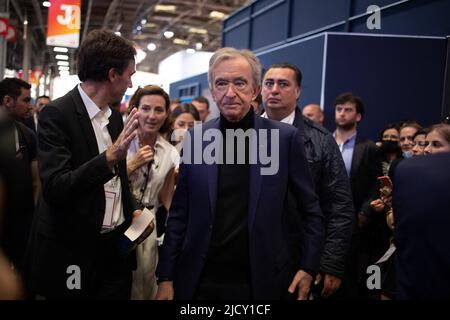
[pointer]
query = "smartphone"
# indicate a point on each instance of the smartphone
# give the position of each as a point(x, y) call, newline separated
point(385, 181)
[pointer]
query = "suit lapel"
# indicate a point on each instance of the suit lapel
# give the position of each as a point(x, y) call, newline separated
point(85, 123)
point(212, 172)
point(255, 174)
point(358, 153)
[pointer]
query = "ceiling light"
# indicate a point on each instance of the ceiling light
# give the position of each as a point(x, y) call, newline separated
point(190, 51)
point(168, 34)
point(140, 56)
point(62, 57)
point(46, 4)
point(166, 8)
point(198, 46)
point(198, 30)
point(61, 68)
point(25, 22)
point(64, 73)
point(217, 15)
point(139, 28)
point(118, 33)
point(62, 63)
point(143, 21)
point(180, 41)
point(60, 49)
point(151, 46)
point(151, 25)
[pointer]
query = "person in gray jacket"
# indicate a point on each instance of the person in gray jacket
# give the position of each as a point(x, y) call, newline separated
point(281, 88)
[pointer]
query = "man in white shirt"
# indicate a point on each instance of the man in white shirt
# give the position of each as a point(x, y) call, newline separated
point(79, 249)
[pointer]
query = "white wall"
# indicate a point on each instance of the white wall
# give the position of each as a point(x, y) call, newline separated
point(183, 65)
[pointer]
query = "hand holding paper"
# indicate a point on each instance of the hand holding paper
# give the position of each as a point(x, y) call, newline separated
point(142, 225)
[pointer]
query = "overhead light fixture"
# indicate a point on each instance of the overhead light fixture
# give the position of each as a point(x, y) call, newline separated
point(151, 25)
point(25, 22)
point(169, 34)
point(64, 73)
point(61, 68)
point(46, 4)
point(60, 49)
point(198, 46)
point(139, 28)
point(63, 63)
point(217, 15)
point(190, 51)
point(62, 57)
point(140, 55)
point(198, 30)
point(143, 21)
point(165, 8)
point(180, 41)
point(151, 46)
point(118, 33)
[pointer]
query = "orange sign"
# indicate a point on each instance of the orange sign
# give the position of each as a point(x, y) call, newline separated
point(64, 23)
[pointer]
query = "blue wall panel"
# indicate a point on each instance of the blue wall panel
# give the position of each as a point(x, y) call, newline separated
point(309, 15)
point(397, 78)
point(237, 17)
point(420, 17)
point(238, 37)
point(270, 26)
point(308, 56)
point(360, 6)
point(201, 79)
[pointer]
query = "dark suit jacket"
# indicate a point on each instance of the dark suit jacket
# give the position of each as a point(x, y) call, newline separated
point(421, 203)
point(66, 229)
point(333, 188)
point(366, 168)
point(191, 217)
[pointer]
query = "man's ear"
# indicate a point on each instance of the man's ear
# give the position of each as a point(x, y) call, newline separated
point(256, 92)
point(298, 92)
point(112, 74)
point(358, 117)
point(8, 101)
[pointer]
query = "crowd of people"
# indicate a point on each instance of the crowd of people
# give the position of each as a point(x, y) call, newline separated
point(74, 178)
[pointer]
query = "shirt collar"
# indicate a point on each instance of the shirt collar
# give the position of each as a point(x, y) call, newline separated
point(351, 139)
point(93, 110)
point(289, 119)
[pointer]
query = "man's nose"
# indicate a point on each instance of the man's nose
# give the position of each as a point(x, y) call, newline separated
point(230, 91)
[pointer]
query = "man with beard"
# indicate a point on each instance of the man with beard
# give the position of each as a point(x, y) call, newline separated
point(363, 167)
point(86, 204)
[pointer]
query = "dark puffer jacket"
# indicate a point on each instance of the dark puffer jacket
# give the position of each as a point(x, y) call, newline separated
point(333, 188)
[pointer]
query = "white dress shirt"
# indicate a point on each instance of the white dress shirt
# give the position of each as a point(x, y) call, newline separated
point(113, 192)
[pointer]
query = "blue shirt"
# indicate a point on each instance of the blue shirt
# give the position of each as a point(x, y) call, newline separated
point(347, 149)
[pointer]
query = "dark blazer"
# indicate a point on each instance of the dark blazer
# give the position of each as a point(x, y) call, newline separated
point(66, 229)
point(191, 217)
point(366, 168)
point(333, 188)
point(421, 203)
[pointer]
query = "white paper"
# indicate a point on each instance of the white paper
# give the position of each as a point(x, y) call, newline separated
point(387, 255)
point(139, 224)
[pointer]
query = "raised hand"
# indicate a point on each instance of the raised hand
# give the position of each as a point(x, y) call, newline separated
point(118, 150)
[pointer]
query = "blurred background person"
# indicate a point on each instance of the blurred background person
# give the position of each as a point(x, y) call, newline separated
point(407, 131)
point(174, 103)
point(181, 119)
point(202, 105)
point(419, 142)
point(313, 112)
point(388, 146)
point(438, 139)
point(151, 164)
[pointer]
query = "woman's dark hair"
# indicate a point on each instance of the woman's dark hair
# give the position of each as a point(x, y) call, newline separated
point(101, 51)
point(388, 127)
point(148, 91)
point(180, 109)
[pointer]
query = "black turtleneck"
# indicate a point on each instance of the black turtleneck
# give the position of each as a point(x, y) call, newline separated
point(228, 260)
